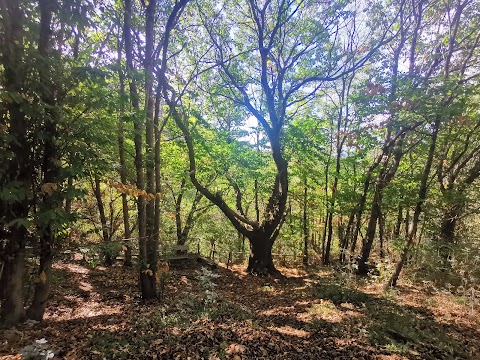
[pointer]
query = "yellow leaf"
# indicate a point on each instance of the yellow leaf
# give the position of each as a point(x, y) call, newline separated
point(48, 188)
point(43, 277)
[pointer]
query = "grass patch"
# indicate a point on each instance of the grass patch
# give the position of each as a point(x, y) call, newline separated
point(322, 309)
point(405, 333)
point(338, 295)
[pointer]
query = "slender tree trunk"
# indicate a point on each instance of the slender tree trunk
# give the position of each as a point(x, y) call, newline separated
point(145, 282)
point(324, 236)
point(326, 253)
point(348, 234)
point(383, 179)
point(361, 206)
point(305, 223)
point(158, 181)
point(369, 236)
point(101, 208)
point(339, 147)
point(148, 280)
point(381, 234)
point(42, 286)
point(341, 231)
point(47, 232)
point(257, 208)
point(398, 224)
point(328, 245)
point(422, 195)
point(407, 222)
point(121, 155)
point(68, 200)
point(447, 235)
point(97, 190)
point(51, 171)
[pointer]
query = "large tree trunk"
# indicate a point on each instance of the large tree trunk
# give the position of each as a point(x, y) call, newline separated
point(260, 261)
point(18, 168)
point(12, 311)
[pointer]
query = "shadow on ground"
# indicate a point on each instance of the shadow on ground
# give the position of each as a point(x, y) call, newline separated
point(97, 314)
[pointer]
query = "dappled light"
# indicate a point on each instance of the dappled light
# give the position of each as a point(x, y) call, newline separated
point(239, 179)
point(301, 317)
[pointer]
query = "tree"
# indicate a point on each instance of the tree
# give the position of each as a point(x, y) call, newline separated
point(291, 70)
point(16, 176)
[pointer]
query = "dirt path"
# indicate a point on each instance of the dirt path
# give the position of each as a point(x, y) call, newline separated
point(224, 314)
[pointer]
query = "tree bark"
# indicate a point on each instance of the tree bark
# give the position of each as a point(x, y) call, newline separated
point(12, 311)
point(262, 235)
point(383, 179)
point(305, 223)
point(381, 233)
point(158, 129)
point(145, 277)
point(121, 156)
point(260, 261)
point(101, 208)
point(422, 195)
point(149, 289)
point(398, 224)
point(346, 238)
point(68, 200)
point(17, 167)
point(447, 235)
point(51, 171)
point(96, 187)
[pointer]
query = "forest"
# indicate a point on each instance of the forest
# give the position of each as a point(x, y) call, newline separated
point(239, 179)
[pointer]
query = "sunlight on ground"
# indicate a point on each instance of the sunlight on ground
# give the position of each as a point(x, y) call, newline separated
point(72, 268)
point(288, 330)
point(97, 313)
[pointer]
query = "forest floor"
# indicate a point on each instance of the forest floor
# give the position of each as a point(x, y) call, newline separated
point(97, 314)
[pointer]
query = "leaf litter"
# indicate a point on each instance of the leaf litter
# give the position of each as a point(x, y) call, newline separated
point(226, 314)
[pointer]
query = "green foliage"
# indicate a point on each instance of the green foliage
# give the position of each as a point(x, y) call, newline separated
point(111, 249)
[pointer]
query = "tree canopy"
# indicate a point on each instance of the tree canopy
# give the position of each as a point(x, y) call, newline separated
point(340, 133)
